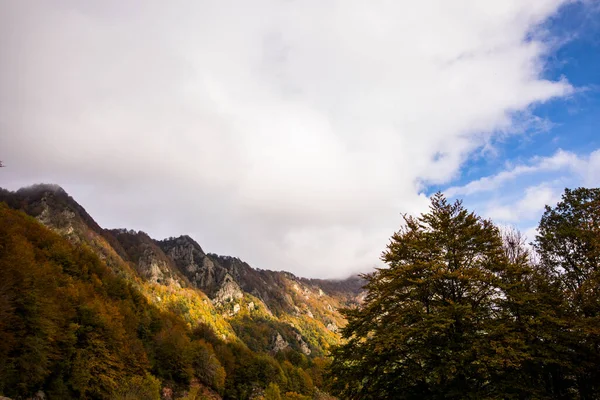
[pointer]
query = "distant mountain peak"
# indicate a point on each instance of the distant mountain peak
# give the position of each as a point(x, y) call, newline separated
point(182, 240)
point(42, 187)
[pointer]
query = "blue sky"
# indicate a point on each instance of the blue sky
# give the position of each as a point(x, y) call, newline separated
point(569, 124)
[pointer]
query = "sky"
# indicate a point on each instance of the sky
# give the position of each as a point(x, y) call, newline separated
point(295, 134)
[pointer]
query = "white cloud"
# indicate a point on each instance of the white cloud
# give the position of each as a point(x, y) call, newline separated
point(561, 160)
point(591, 170)
point(291, 134)
point(531, 204)
point(510, 197)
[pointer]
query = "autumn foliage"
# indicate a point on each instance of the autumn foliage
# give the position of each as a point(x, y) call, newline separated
point(73, 328)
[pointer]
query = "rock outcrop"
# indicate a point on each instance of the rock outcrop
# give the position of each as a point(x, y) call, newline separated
point(279, 343)
point(149, 260)
point(303, 346)
point(202, 272)
point(229, 291)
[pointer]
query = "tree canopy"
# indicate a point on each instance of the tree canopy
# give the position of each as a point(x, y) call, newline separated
point(461, 312)
point(568, 244)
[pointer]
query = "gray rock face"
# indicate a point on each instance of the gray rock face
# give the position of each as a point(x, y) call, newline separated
point(229, 291)
point(225, 278)
point(268, 286)
point(202, 272)
point(303, 346)
point(155, 270)
point(279, 343)
point(63, 222)
point(149, 260)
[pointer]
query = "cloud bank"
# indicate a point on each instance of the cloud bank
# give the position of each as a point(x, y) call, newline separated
point(515, 196)
point(291, 134)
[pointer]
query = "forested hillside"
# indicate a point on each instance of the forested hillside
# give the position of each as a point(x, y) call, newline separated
point(72, 328)
point(157, 315)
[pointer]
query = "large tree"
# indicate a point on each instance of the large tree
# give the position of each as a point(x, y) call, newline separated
point(440, 320)
point(568, 245)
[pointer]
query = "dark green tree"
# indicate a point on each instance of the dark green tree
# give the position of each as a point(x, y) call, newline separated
point(436, 322)
point(531, 317)
point(568, 245)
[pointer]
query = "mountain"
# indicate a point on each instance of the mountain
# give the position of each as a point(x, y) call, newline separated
point(221, 298)
point(53, 207)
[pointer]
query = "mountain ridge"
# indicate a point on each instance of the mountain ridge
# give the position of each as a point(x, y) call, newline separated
point(236, 290)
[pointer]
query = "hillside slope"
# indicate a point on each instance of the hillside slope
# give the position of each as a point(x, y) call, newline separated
point(221, 298)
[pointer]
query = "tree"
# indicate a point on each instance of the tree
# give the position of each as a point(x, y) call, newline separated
point(433, 324)
point(568, 245)
point(532, 319)
point(272, 392)
point(206, 366)
point(139, 388)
